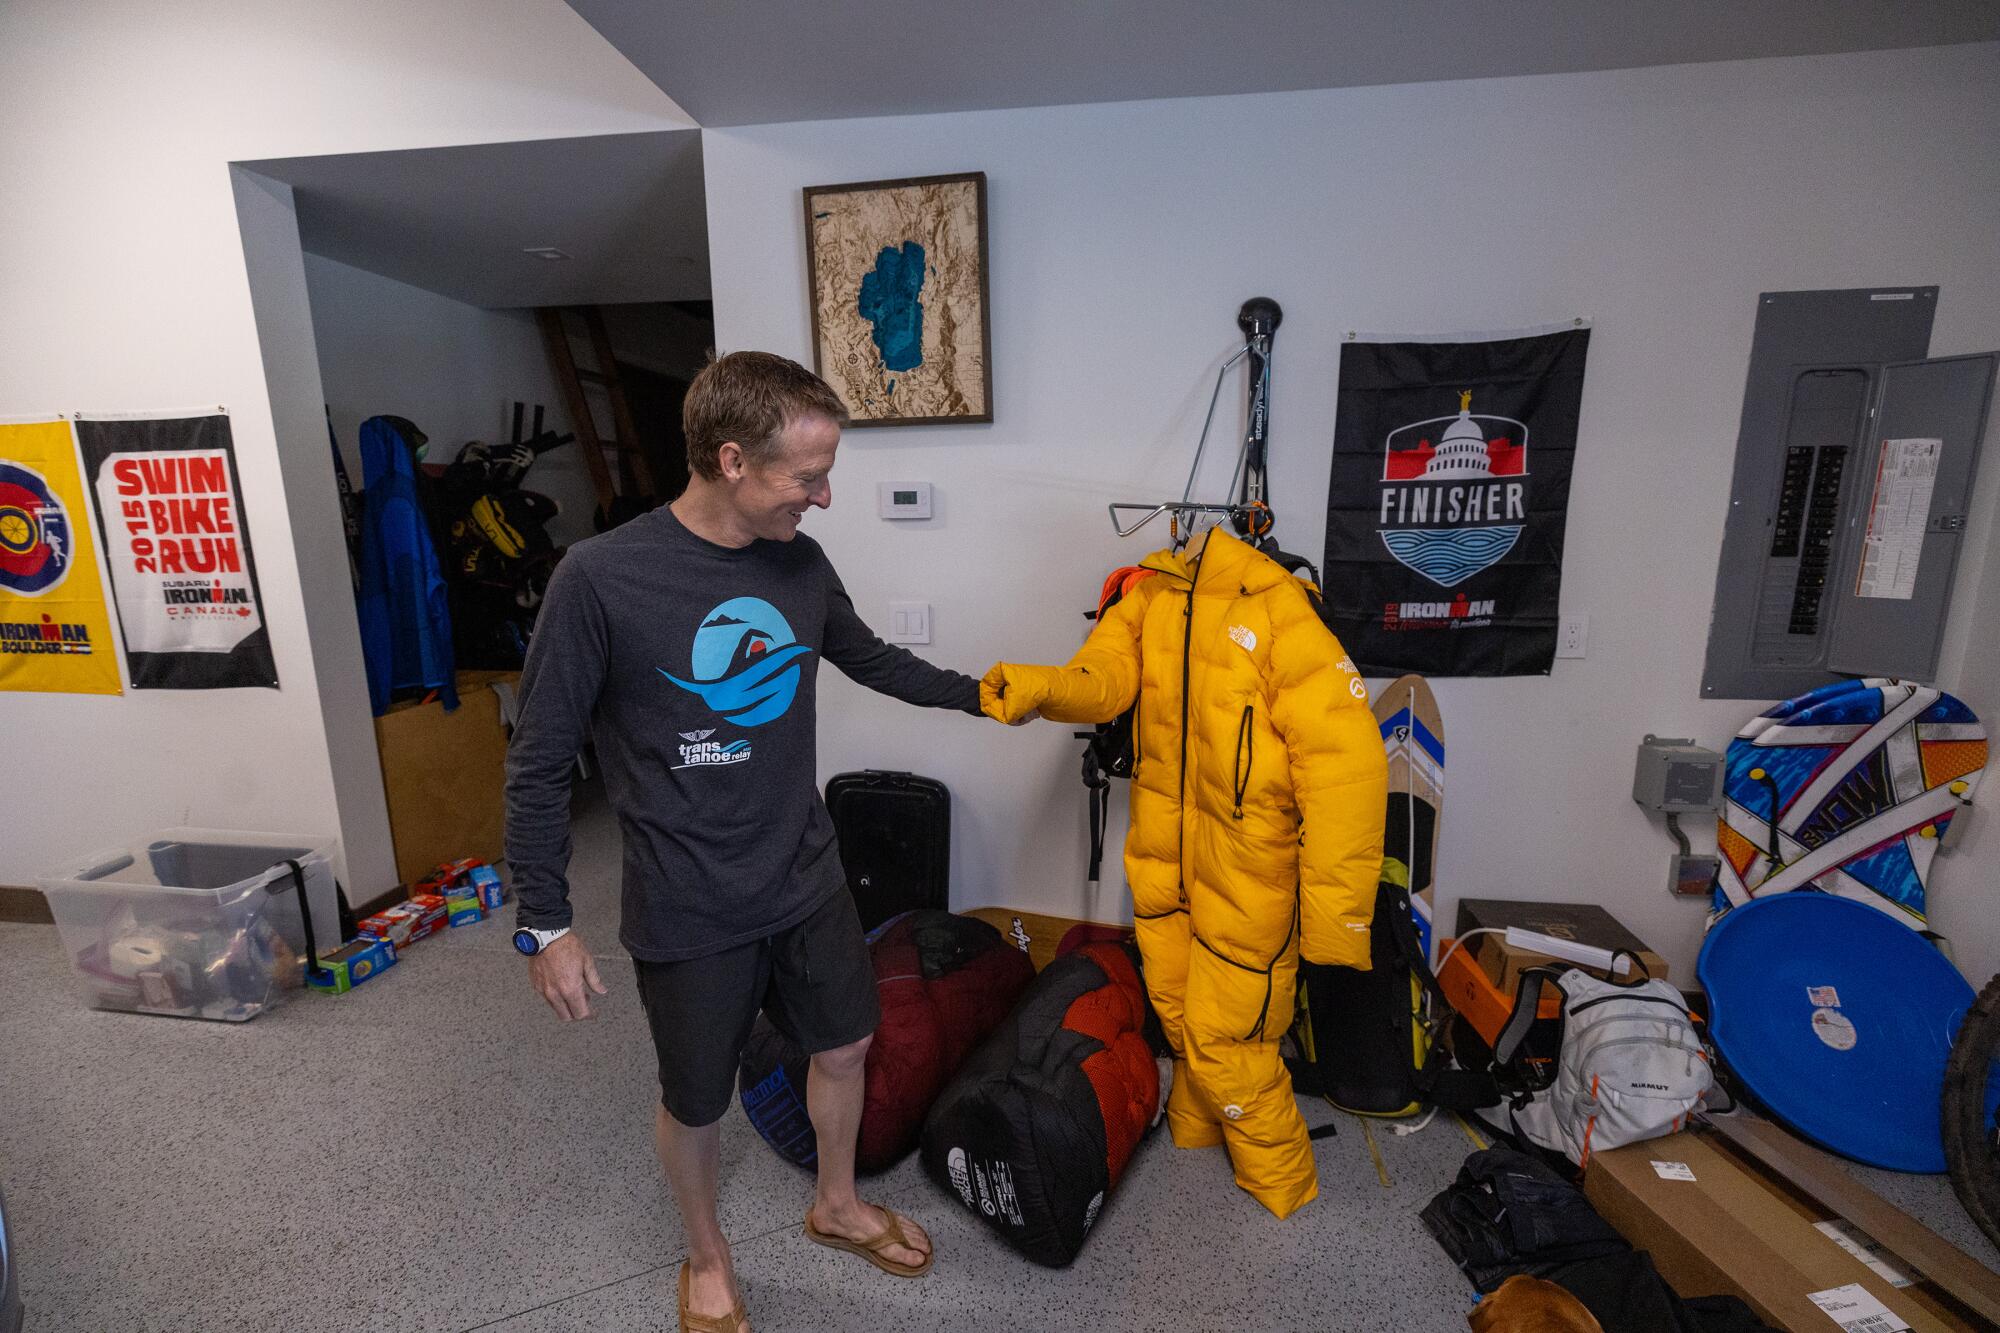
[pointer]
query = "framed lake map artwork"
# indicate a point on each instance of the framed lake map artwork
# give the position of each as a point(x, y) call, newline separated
point(899, 305)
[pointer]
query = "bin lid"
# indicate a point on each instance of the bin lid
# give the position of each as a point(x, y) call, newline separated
point(1839, 1019)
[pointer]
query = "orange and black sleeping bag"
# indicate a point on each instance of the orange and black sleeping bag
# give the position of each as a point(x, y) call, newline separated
point(1038, 1126)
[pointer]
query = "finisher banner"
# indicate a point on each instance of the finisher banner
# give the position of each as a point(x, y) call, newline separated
point(170, 509)
point(1444, 531)
point(55, 634)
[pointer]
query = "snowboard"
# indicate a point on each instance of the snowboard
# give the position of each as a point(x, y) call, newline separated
point(1043, 937)
point(1413, 738)
point(1848, 789)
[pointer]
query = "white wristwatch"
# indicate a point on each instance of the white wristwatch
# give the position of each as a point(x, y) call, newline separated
point(531, 941)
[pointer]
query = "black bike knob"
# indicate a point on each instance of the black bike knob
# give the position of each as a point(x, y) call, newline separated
point(1259, 317)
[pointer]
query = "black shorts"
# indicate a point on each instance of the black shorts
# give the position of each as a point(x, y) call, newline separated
point(815, 980)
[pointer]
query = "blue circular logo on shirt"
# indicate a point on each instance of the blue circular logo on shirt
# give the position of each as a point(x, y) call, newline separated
point(746, 663)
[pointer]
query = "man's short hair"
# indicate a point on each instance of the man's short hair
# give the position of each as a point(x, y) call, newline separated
point(750, 397)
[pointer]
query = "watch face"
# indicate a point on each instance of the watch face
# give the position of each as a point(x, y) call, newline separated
point(524, 940)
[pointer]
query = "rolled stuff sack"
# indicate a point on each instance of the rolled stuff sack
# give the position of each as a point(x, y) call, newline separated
point(1037, 1128)
point(944, 982)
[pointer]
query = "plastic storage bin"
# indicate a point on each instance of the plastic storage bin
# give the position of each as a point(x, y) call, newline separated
point(198, 923)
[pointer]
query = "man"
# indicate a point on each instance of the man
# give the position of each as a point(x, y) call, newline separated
point(686, 643)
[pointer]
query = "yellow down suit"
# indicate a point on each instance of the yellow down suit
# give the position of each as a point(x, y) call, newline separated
point(1258, 795)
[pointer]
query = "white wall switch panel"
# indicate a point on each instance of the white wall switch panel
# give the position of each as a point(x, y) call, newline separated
point(909, 622)
point(1573, 636)
point(903, 499)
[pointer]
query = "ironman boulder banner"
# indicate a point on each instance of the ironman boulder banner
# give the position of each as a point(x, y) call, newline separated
point(55, 634)
point(170, 508)
point(1444, 532)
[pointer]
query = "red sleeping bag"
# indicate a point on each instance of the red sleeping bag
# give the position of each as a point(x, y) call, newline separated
point(944, 982)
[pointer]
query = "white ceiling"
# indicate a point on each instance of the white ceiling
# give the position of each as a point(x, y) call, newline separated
point(746, 62)
point(629, 209)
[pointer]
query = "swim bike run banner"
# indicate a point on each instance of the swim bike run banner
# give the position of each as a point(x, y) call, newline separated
point(1450, 490)
point(170, 510)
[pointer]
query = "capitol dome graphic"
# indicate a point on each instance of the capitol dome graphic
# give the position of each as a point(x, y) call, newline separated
point(1462, 453)
point(1484, 458)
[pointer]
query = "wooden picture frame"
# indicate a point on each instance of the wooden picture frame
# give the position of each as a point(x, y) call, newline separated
point(894, 271)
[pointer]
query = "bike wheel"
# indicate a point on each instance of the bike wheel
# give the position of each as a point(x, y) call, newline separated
point(1967, 1112)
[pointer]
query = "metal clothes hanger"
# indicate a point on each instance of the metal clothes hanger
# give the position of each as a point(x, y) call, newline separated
point(1249, 513)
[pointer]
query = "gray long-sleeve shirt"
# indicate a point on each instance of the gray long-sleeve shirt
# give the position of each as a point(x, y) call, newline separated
point(692, 666)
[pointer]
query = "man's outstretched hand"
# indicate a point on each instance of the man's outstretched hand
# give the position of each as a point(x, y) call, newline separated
point(565, 975)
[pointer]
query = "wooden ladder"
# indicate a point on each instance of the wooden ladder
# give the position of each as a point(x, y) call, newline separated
point(634, 478)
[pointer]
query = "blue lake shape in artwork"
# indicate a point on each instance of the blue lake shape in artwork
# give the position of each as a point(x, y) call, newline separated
point(889, 303)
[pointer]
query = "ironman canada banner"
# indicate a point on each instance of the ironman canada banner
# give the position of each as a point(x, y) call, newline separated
point(171, 512)
point(1450, 491)
point(55, 634)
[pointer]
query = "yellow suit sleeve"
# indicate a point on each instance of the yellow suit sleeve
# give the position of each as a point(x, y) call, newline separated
point(1340, 780)
point(1098, 684)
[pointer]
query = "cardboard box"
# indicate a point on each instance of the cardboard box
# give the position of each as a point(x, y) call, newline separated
point(464, 911)
point(1586, 923)
point(394, 924)
point(443, 775)
point(407, 922)
point(449, 879)
point(1741, 1227)
point(1485, 1006)
point(351, 964)
point(485, 881)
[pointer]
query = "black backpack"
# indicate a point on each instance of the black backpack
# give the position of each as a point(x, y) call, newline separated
point(1108, 748)
point(1363, 1039)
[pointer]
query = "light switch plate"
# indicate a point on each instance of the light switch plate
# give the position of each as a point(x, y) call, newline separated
point(909, 622)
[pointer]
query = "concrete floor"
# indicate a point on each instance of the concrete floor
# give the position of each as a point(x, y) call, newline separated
point(435, 1152)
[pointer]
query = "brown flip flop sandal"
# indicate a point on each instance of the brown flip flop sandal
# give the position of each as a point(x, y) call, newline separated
point(691, 1322)
point(872, 1248)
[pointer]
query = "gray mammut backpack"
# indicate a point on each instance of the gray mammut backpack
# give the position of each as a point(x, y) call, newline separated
point(1631, 1066)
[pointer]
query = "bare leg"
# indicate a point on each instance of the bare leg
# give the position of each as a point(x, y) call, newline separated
point(835, 1090)
point(693, 1162)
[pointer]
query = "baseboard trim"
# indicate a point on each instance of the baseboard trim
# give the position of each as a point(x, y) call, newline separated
point(24, 904)
point(380, 902)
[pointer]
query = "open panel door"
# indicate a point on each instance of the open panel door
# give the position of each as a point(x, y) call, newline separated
point(1901, 548)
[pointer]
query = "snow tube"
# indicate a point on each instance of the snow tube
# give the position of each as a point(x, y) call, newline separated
point(1839, 1020)
point(1037, 1129)
point(944, 983)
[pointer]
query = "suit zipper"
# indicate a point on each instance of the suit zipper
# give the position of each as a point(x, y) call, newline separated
point(1138, 732)
point(1187, 655)
point(1246, 753)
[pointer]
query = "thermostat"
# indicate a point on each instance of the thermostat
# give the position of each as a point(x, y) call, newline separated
point(903, 499)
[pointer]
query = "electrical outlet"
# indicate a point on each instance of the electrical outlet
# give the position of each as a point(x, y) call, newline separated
point(1692, 876)
point(1573, 636)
